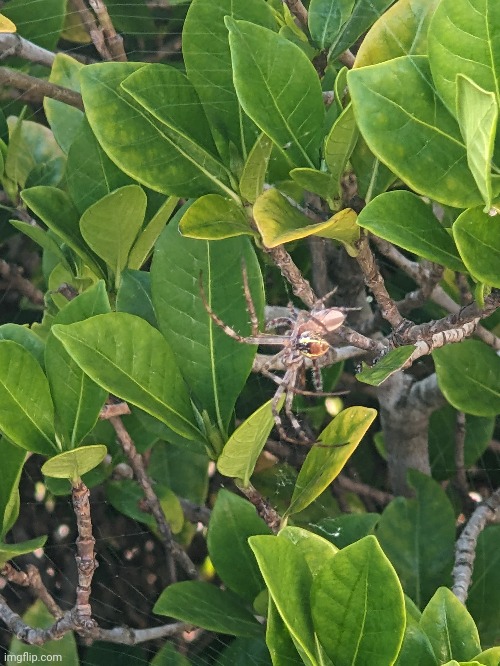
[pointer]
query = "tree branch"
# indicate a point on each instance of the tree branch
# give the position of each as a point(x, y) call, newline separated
point(11, 77)
point(298, 10)
point(85, 559)
point(12, 44)
point(268, 514)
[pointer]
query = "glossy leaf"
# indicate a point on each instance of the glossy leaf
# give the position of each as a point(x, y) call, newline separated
point(346, 529)
point(254, 171)
point(64, 120)
point(162, 159)
point(364, 14)
point(129, 358)
point(213, 217)
point(207, 606)
point(279, 222)
point(73, 464)
point(478, 367)
point(358, 606)
point(289, 580)
point(416, 648)
point(26, 410)
point(415, 136)
point(241, 451)
point(134, 296)
point(40, 24)
point(339, 144)
point(319, 182)
point(205, 354)
point(477, 115)
point(111, 225)
point(243, 651)
point(77, 399)
point(90, 174)
point(13, 459)
point(326, 18)
point(490, 657)
point(208, 65)
point(477, 236)
point(281, 100)
point(450, 628)
point(340, 439)
point(25, 337)
point(373, 177)
point(387, 366)
point(315, 549)
point(483, 601)
point(146, 239)
point(462, 40)
point(127, 497)
point(42, 238)
point(278, 639)
point(403, 531)
point(232, 522)
point(404, 219)
point(10, 550)
point(54, 208)
point(401, 30)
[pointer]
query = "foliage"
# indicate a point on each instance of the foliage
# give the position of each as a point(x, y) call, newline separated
point(162, 200)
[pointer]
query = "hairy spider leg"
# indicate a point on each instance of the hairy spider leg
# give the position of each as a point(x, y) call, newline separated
point(316, 376)
point(279, 321)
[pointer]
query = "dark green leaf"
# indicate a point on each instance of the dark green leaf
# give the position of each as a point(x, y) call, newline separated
point(134, 295)
point(11, 550)
point(364, 13)
point(483, 601)
point(244, 651)
point(25, 337)
point(42, 238)
point(205, 605)
point(477, 236)
point(168, 656)
point(326, 18)
point(416, 648)
point(12, 464)
point(40, 22)
point(386, 367)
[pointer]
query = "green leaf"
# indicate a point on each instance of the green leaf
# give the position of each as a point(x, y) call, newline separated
point(387, 366)
point(373, 177)
point(281, 100)
point(254, 171)
point(339, 144)
point(26, 410)
point(404, 219)
point(315, 549)
point(490, 657)
point(449, 627)
point(358, 606)
point(326, 18)
point(483, 601)
point(207, 57)
point(346, 529)
point(242, 450)
point(442, 444)
point(278, 639)
point(54, 208)
point(126, 497)
point(13, 459)
point(129, 358)
point(64, 120)
point(205, 354)
point(416, 137)
point(319, 182)
point(37, 23)
point(477, 236)
point(233, 520)
point(90, 174)
point(134, 295)
point(213, 217)
point(111, 225)
point(478, 368)
point(168, 656)
point(162, 159)
point(279, 222)
point(206, 606)
point(323, 464)
point(77, 399)
point(243, 651)
point(10, 550)
point(73, 464)
point(462, 40)
point(25, 337)
point(477, 115)
point(416, 648)
point(42, 238)
point(403, 532)
point(289, 580)
point(146, 239)
point(364, 13)
point(401, 30)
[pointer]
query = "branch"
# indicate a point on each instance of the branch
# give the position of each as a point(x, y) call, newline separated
point(154, 505)
point(13, 278)
point(11, 77)
point(85, 559)
point(104, 36)
point(14, 45)
point(268, 514)
point(465, 551)
point(300, 286)
point(298, 10)
point(33, 581)
point(114, 409)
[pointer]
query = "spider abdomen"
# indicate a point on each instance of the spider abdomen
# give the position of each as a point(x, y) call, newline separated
point(311, 346)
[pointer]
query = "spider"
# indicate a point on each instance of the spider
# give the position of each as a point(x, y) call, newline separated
point(304, 339)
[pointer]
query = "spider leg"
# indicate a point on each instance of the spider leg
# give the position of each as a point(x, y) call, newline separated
point(303, 438)
point(275, 402)
point(279, 321)
point(316, 375)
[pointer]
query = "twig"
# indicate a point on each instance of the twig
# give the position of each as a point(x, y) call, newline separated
point(33, 580)
point(11, 77)
point(379, 496)
point(195, 513)
point(90, 25)
point(85, 559)
point(460, 477)
point(465, 551)
point(15, 45)
point(114, 409)
point(137, 465)
point(268, 514)
point(298, 10)
point(13, 279)
point(33, 636)
point(113, 40)
point(300, 286)
point(347, 58)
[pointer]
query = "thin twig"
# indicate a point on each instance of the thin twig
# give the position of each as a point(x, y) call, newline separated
point(114, 41)
point(90, 25)
point(13, 279)
point(347, 58)
point(16, 79)
point(14, 45)
point(298, 10)
point(33, 581)
point(379, 496)
point(152, 500)
point(460, 480)
point(268, 514)
point(300, 286)
point(114, 409)
point(465, 550)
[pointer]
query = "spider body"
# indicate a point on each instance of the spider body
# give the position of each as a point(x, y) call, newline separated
point(304, 338)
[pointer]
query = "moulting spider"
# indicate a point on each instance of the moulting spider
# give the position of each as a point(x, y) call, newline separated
point(304, 338)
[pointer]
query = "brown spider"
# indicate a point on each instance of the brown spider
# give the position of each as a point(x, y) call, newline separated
point(304, 339)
